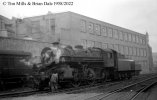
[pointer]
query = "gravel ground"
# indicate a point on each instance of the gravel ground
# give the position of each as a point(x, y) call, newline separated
point(80, 95)
point(152, 95)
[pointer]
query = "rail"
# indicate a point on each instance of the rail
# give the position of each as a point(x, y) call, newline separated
point(103, 96)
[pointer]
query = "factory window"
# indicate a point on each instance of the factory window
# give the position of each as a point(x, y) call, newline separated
point(140, 40)
point(98, 44)
point(129, 37)
point(47, 25)
point(125, 36)
point(84, 43)
point(121, 49)
point(109, 31)
point(90, 43)
point(104, 45)
point(143, 41)
point(120, 35)
point(116, 47)
point(133, 38)
point(130, 51)
point(138, 52)
point(1, 24)
point(83, 25)
point(134, 51)
point(103, 31)
point(126, 50)
point(50, 25)
point(145, 53)
point(97, 29)
point(115, 34)
point(35, 26)
point(110, 46)
point(137, 39)
point(141, 52)
point(90, 27)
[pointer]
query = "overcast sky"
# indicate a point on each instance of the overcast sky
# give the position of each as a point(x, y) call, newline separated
point(136, 15)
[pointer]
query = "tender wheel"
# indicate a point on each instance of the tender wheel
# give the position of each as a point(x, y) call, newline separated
point(104, 76)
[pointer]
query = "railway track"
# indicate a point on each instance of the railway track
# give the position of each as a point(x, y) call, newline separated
point(48, 92)
point(142, 91)
point(129, 92)
point(67, 90)
point(19, 93)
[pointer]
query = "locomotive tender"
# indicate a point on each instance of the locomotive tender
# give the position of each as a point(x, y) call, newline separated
point(63, 64)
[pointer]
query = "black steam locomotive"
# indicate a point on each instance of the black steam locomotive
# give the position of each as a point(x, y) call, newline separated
point(62, 64)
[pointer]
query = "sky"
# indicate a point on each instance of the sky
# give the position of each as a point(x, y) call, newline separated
point(136, 15)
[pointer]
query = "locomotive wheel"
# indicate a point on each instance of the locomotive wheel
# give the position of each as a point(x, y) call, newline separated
point(104, 76)
point(91, 76)
point(75, 82)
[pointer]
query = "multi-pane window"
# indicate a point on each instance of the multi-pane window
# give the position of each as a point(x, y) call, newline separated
point(103, 31)
point(110, 33)
point(121, 49)
point(140, 40)
point(47, 25)
point(120, 35)
point(126, 50)
point(83, 25)
point(130, 51)
point(115, 34)
point(125, 36)
point(104, 45)
point(145, 53)
point(134, 51)
point(50, 25)
point(84, 43)
point(97, 29)
point(129, 37)
point(116, 47)
point(141, 52)
point(138, 52)
point(143, 41)
point(110, 46)
point(98, 44)
point(90, 27)
point(90, 43)
point(137, 39)
point(35, 26)
point(133, 38)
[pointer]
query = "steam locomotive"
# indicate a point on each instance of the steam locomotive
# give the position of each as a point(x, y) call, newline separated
point(63, 64)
